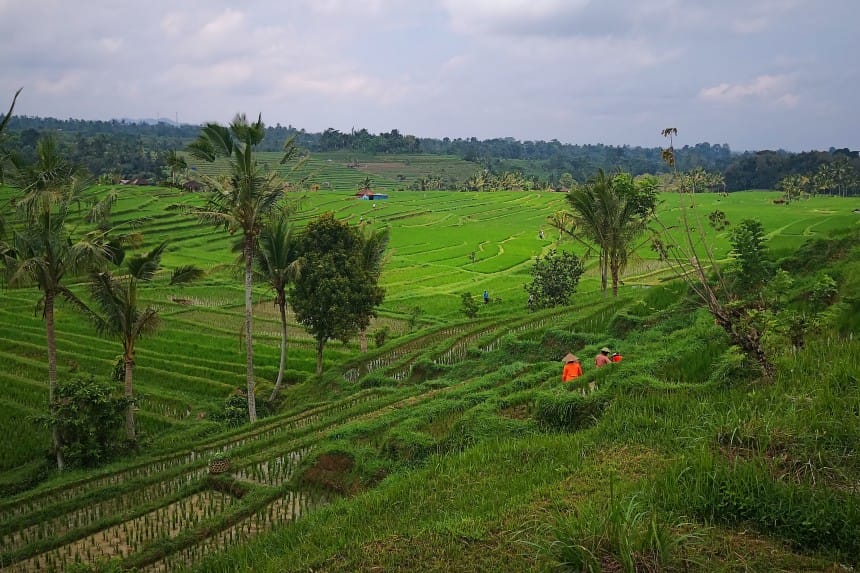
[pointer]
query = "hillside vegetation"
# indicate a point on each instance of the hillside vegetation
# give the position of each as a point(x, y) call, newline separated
point(453, 445)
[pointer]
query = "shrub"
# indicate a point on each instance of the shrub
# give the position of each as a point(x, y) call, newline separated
point(554, 279)
point(89, 417)
point(381, 335)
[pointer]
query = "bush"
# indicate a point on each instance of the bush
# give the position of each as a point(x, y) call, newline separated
point(734, 366)
point(554, 279)
point(90, 418)
point(381, 335)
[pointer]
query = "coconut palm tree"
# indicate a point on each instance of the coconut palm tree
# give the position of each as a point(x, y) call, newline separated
point(240, 202)
point(44, 251)
point(609, 212)
point(176, 163)
point(373, 258)
point(3, 123)
point(121, 316)
point(278, 263)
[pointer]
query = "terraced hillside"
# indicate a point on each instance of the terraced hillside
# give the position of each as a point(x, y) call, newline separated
point(462, 424)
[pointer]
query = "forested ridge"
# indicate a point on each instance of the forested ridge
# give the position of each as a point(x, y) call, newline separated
point(127, 149)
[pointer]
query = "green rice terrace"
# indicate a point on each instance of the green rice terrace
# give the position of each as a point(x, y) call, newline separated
point(453, 445)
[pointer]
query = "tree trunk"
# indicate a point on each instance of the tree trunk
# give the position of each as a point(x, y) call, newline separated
point(614, 269)
point(363, 339)
point(249, 345)
point(282, 305)
point(129, 409)
point(52, 375)
point(320, 345)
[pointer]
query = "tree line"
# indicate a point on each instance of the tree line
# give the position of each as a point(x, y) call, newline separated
point(128, 149)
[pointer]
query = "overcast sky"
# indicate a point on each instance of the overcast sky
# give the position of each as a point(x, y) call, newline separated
point(756, 74)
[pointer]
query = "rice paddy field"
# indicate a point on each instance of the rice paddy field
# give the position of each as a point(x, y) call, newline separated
point(452, 446)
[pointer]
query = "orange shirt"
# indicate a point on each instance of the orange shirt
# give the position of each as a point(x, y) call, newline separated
point(616, 358)
point(571, 370)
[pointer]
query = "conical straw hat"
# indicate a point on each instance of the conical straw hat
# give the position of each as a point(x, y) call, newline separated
point(570, 358)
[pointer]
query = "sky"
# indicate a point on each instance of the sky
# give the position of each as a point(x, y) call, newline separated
point(755, 74)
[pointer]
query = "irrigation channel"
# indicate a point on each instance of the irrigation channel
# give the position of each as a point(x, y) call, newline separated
point(168, 511)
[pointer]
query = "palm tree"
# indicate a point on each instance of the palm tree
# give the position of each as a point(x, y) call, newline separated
point(279, 265)
point(43, 251)
point(175, 163)
point(121, 316)
point(3, 124)
point(240, 202)
point(373, 249)
point(610, 213)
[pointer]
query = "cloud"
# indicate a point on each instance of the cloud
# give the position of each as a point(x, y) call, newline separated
point(770, 88)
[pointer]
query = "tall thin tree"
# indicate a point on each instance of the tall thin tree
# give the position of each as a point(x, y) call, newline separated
point(240, 202)
point(121, 315)
point(44, 251)
point(279, 264)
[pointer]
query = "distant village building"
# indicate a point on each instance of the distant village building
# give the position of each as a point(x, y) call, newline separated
point(192, 185)
point(369, 195)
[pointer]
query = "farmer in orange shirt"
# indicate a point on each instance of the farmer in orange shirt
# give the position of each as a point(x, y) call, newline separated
point(572, 368)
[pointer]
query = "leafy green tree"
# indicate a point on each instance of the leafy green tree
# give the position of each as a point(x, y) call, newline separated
point(44, 251)
point(121, 316)
point(554, 279)
point(468, 305)
point(279, 264)
point(336, 294)
point(240, 202)
point(88, 417)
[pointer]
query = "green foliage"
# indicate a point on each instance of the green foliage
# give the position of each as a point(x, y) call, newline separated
point(569, 410)
point(752, 265)
point(616, 535)
point(468, 305)
point(407, 445)
point(88, 416)
point(554, 279)
point(375, 380)
point(623, 322)
point(824, 292)
point(336, 294)
point(733, 367)
point(744, 492)
point(381, 335)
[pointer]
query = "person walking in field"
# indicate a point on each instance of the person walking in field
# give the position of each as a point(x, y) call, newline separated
point(602, 359)
point(572, 368)
point(616, 357)
point(486, 296)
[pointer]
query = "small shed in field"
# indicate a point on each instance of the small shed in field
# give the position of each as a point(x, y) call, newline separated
point(369, 195)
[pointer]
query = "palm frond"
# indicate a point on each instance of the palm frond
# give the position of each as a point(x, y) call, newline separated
point(186, 274)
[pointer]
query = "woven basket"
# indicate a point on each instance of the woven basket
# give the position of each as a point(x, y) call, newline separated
point(219, 466)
